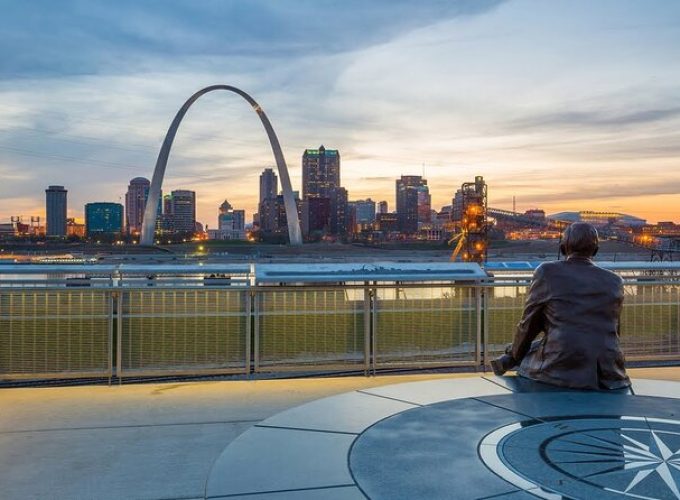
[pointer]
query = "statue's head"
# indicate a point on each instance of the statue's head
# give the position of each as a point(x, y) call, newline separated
point(579, 239)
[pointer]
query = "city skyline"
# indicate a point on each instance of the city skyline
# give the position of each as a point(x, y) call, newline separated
point(252, 217)
point(583, 116)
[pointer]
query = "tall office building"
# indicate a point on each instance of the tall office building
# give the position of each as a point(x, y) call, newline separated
point(269, 184)
point(320, 172)
point(360, 215)
point(316, 215)
point(103, 219)
point(239, 220)
point(180, 210)
point(339, 217)
point(273, 218)
point(324, 199)
point(413, 203)
point(364, 211)
point(424, 204)
point(55, 205)
point(266, 217)
point(382, 207)
point(457, 206)
point(135, 204)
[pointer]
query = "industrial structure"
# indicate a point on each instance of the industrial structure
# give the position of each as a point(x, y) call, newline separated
point(473, 239)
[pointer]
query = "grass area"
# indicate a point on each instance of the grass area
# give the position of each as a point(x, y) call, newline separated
point(47, 331)
point(647, 327)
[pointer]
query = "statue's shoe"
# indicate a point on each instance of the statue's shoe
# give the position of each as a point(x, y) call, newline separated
point(497, 367)
point(502, 364)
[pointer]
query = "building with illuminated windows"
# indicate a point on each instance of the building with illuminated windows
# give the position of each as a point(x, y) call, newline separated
point(180, 211)
point(55, 204)
point(599, 219)
point(413, 203)
point(230, 224)
point(320, 172)
point(135, 204)
point(103, 219)
point(324, 200)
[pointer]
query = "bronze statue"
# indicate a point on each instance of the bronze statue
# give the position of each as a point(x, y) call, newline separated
point(577, 305)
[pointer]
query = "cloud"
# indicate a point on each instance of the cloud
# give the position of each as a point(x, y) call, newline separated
point(76, 37)
point(539, 99)
point(595, 118)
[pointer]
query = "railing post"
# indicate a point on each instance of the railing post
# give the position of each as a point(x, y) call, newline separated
point(256, 331)
point(485, 328)
point(111, 295)
point(374, 328)
point(478, 306)
point(367, 329)
point(119, 335)
point(248, 318)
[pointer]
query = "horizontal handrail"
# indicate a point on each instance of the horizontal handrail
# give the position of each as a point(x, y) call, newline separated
point(125, 325)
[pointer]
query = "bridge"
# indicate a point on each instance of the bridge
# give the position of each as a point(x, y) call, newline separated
point(659, 248)
point(519, 218)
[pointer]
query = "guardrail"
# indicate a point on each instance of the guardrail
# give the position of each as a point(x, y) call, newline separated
point(136, 321)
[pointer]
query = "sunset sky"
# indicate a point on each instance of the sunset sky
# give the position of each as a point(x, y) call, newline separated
point(567, 105)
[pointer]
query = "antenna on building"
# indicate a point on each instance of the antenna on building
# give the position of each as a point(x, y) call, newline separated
point(514, 205)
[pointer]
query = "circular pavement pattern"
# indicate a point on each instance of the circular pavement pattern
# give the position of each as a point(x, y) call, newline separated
point(591, 456)
point(477, 438)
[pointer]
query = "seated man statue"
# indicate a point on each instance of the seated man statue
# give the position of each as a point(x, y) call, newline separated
point(577, 306)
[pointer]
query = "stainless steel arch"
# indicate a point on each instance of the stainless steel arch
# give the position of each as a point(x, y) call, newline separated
point(151, 210)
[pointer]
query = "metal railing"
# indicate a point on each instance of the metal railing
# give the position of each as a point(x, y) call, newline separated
point(136, 321)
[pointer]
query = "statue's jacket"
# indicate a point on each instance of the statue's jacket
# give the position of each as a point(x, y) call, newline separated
point(577, 305)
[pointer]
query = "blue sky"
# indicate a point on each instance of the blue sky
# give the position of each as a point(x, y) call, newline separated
point(566, 105)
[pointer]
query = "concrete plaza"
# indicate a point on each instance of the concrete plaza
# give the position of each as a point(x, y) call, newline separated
point(151, 441)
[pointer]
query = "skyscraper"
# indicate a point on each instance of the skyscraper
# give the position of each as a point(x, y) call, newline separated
point(181, 210)
point(239, 220)
point(273, 218)
point(103, 219)
point(424, 204)
point(320, 172)
point(316, 216)
point(135, 203)
point(55, 205)
point(338, 211)
point(324, 199)
point(269, 184)
point(364, 211)
point(413, 203)
point(382, 207)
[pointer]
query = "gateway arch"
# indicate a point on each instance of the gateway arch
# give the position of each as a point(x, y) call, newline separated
point(151, 209)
